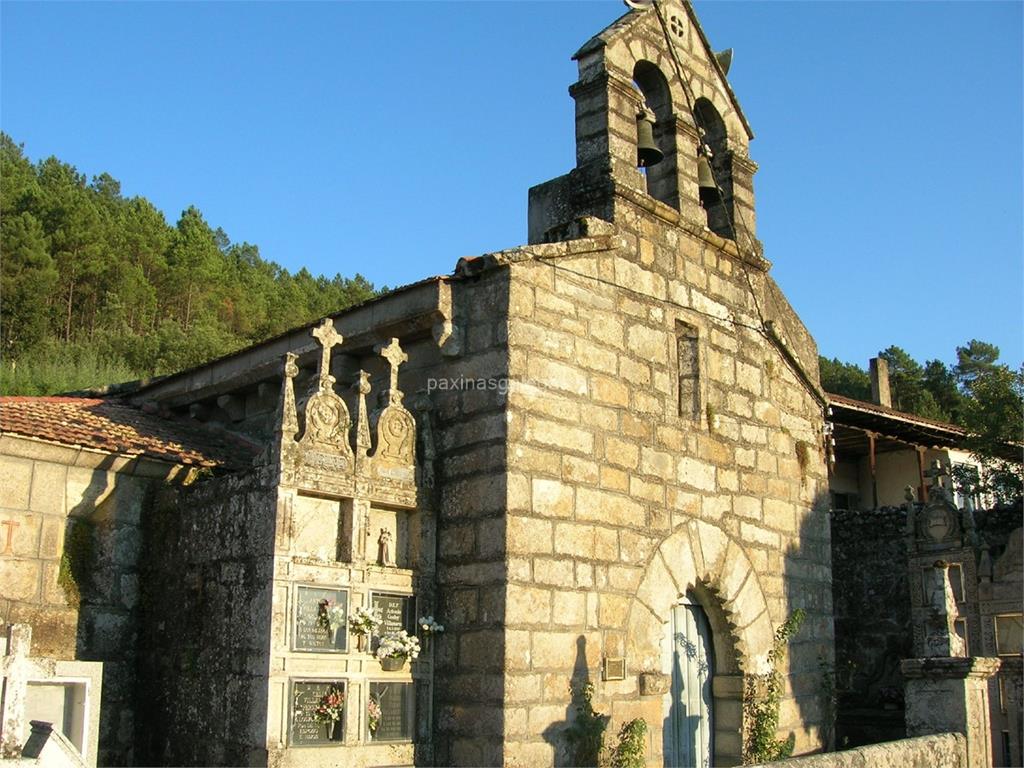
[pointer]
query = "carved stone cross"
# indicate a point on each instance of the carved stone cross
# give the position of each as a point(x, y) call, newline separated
point(395, 356)
point(10, 525)
point(15, 670)
point(328, 338)
point(936, 473)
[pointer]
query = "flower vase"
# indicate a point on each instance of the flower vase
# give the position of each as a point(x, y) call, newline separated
point(392, 663)
point(334, 730)
point(361, 643)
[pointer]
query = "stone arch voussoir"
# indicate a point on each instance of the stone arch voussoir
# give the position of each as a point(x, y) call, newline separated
point(701, 557)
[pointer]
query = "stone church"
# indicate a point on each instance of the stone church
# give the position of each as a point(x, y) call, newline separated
point(598, 460)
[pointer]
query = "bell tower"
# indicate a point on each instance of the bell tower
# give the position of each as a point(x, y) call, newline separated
point(657, 126)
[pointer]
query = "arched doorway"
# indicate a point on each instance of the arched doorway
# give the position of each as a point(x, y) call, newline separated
point(689, 730)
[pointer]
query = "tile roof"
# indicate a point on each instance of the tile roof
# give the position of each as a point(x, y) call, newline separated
point(892, 413)
point(114, 426)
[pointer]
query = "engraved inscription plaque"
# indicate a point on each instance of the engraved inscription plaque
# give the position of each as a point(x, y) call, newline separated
point(306, 730)
point(321, 620)
point(394, 711)
point(397, 610)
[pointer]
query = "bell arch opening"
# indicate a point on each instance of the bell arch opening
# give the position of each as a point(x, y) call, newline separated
point(662, 178)
point(716, 191)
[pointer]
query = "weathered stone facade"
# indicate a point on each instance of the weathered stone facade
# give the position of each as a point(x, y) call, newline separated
point(618, 418)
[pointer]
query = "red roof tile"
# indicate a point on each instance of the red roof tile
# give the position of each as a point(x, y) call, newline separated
point(116, 427)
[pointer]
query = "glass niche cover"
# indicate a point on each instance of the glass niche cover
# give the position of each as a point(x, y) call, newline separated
point(321, 620)
point(318, 712)
point(390, 711)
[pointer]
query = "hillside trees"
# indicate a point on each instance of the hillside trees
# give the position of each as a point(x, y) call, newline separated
point(98, 288)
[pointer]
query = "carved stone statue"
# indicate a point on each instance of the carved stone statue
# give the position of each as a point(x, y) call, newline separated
point(384, 556)
point(940, 637)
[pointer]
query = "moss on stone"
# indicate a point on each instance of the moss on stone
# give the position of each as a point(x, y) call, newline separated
point(76, 561)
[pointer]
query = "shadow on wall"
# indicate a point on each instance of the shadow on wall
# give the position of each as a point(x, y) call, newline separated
point(98, 577)
point(578, 739)
point(807, 579)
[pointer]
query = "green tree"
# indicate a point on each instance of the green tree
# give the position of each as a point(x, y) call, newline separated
point(192, 263)
point(993, 415)
point(941, 383)
point(73, 224)
point(976, 358)
point(28, 280)
point(906, 380)
point(844, 378)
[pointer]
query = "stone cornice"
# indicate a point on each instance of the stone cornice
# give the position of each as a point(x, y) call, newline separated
point(944, 668)
point(603, 80)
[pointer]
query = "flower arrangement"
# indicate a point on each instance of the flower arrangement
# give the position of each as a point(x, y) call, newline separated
point(398, 645)
point(430, 626)
point(373, 713)
point(365, 622)
point(330, 615)
point(331, 706)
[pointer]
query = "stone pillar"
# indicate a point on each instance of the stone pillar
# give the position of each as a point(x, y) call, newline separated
point(949, 695)
point(946, 692)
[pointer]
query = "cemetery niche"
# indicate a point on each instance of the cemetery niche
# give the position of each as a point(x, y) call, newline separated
point(397, 611)
point(321, 619)
point(318, 712)
point(390, 711)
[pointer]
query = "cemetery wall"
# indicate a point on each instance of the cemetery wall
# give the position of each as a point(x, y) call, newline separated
point(70, 539)
point(207, 567)
point(944, 750)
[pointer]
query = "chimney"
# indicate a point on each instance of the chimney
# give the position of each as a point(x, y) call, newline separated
point(880, 393)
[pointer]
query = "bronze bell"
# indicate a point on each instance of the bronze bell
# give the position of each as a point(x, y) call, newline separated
point(706, 180)
point(647, 152)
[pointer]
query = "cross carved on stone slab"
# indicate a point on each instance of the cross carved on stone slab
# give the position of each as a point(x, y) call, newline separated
point(328, 338)
point(395, 356)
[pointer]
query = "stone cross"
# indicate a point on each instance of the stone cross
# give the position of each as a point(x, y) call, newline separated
point(936, 473)
point(395, 356)
point(328, 338)
point(14, 667)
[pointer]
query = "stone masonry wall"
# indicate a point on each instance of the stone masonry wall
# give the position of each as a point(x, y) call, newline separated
point(470, 426)
point(946, 750)
point(604, 472)
point(69, 547)
point(205, 623)
point(871, 594)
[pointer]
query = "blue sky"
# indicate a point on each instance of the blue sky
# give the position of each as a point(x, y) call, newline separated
point(392, 138)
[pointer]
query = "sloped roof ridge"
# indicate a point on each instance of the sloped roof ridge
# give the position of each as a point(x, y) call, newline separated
point(112, 425)
point(887, 411)
point(624, 22)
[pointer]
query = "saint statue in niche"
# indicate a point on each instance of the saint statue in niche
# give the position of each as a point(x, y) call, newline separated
point(384, 556)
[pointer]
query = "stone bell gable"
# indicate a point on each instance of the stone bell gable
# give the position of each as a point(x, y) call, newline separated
point(630, 66)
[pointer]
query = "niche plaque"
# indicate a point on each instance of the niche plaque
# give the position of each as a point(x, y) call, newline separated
point(321, 620)
point(393, 711)
point(396, 610)
point(306, 729)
